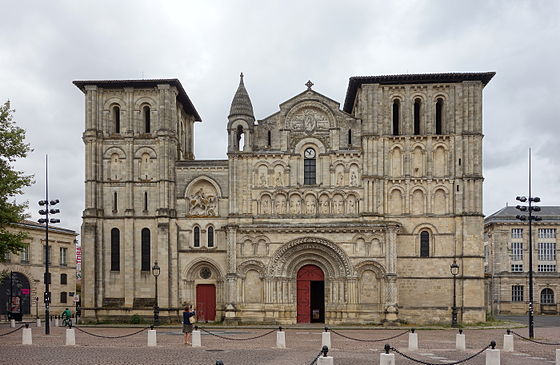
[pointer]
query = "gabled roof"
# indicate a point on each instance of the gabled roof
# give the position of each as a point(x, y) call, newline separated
point(508, 215)
point(356, 82)
point(148, 83)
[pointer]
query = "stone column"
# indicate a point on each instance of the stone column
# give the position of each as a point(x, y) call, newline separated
point(231, 276)
point(391, 297)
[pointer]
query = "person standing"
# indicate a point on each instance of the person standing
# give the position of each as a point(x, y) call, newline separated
point(187, 325)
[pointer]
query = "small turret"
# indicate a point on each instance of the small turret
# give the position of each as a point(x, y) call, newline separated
point(241, 104)
point(241, 120)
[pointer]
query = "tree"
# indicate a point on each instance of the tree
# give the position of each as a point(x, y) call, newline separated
point(12, 146)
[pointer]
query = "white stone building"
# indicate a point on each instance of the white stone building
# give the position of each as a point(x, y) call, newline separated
point(318, 214)
point(506, 245)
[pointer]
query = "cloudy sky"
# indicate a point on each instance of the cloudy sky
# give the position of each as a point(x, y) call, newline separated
point(279, 45)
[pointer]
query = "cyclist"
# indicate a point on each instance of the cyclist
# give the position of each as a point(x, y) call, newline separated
point(66, 318)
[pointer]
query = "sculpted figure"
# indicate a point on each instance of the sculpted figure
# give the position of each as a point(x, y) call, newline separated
point(340, 179)
point(353, 179)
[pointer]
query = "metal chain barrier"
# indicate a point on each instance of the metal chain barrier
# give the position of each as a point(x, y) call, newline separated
point(236, 339)
point(101, 336)
point(8, 333)
point(324, 351)
point(364, 340)
point(389, 347)
point(535, 341)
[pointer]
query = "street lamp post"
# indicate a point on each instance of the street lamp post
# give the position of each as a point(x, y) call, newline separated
point(46, 221)
point(454, 271)
point(155, 272)
point(530, 208)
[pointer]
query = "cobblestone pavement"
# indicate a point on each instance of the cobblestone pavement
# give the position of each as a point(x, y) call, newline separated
point(435, 346)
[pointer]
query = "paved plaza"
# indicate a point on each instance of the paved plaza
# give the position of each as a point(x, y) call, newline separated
point(303, 344)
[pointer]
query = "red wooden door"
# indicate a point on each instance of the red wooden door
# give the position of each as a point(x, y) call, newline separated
point(205, 302)
point(305, 275)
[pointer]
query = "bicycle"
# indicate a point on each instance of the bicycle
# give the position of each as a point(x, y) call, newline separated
point(67, 322)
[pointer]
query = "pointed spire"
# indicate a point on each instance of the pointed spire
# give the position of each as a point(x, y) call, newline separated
point(241, 104)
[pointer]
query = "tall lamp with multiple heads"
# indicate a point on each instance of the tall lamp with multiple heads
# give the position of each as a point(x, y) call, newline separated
point(46, 211)
point(454, 271)
point(155, 272)
point(530, 208)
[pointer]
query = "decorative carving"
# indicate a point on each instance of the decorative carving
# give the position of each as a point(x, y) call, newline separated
point(327, 249)
point(205, 273)
point(202, 204)
point(309, 119)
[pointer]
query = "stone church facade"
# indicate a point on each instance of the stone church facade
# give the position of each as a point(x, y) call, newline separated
point(318, 214)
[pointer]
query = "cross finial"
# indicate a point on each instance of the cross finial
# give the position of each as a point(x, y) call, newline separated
point(309, 84)
point(241, 75)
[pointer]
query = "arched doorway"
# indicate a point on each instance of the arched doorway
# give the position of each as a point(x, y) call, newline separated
point(310, 294)
point(15, 287)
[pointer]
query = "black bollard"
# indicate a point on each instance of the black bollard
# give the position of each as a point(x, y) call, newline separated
point(493, 344)
point(387, 348)
point(325, 350)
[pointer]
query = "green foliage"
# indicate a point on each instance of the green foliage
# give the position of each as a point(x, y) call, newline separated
point(12, 146)
point(136, 319)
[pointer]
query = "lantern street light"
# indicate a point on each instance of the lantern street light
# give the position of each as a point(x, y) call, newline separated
point(454, 271)
point(155, 272)
point(47, 278)
point(529, 208)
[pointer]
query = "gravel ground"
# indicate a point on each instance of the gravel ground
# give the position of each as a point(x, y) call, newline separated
point(435, 346)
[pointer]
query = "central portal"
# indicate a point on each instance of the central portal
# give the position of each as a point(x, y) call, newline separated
point(310, 295)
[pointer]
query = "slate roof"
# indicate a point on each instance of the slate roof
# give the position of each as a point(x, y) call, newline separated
point(356, 82)
point(35, 225)
point(148, 83)
point(241, 103)
point(549, 214)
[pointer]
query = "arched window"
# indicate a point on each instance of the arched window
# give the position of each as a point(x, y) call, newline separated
point(145, 201)
point(146, 112)
point(240, 138)
point(115, 249)
point(417, 105)
point(115, 201)
point(210, 233)
point(439, 116)
point(117, 119)
point(547, 296)
point(269, 135)
point(196, 241)
point(424, 244)
point(145, 255)
point(349, 137)
point(63, 279)
point(396, 116)
point(309, 167)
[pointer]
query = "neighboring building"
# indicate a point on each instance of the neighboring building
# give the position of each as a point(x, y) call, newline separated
point(319, 214)
point(24, 272)
point(507, 261)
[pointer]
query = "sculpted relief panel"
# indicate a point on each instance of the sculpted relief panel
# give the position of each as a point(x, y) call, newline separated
point(308, 120)
point(202, 200)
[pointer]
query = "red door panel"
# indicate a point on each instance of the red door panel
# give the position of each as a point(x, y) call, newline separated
point(305, 275)
point(303, 301)
point(206, 302)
